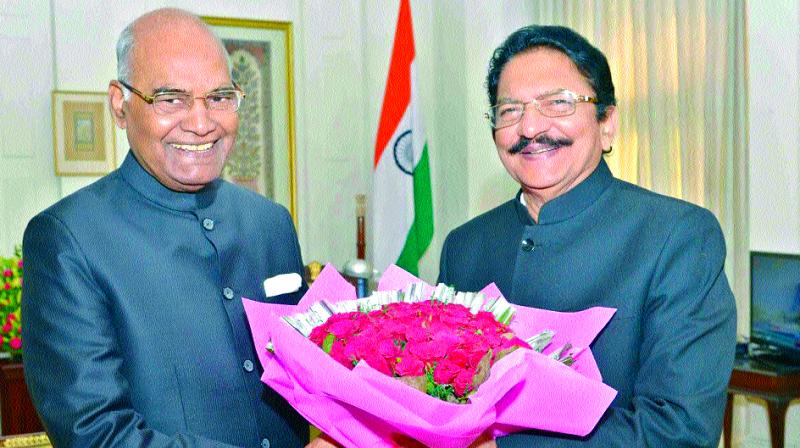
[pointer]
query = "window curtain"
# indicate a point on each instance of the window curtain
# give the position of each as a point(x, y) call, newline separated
point(679, 72)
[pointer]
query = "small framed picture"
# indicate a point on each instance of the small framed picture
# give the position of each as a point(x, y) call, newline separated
point(83, 134)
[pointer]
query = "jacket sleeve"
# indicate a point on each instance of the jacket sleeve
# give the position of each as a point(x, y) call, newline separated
point(71, 357)
point(298, 258)
point(443, 273)
point(686, 355)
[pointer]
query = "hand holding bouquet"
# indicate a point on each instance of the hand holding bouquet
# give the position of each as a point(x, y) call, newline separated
point(445, 349)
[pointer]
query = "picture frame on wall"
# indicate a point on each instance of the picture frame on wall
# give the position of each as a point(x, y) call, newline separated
point(263, 158)
point(83, 134)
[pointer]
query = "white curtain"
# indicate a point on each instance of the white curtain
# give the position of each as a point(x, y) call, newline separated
point(679, 72)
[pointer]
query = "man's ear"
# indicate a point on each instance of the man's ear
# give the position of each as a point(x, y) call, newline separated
point(608, 127)
point(116, 101)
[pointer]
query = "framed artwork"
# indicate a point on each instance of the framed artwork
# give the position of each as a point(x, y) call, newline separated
point(83, 134)
point(261, 62)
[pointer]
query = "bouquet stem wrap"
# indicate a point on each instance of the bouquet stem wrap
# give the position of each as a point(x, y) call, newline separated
point(365, 408)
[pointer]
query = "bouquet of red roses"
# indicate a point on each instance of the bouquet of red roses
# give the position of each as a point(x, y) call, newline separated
point(443, 347)
point(440, 348)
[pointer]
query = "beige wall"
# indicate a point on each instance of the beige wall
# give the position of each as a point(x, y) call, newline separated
point(774, 83)
point(27, 183)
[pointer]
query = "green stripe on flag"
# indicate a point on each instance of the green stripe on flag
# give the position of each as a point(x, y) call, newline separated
point(421, 232)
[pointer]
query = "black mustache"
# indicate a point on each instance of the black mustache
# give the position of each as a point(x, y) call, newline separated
point(542, 140)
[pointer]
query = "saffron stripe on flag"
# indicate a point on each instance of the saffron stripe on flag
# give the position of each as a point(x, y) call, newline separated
point(402, 201)
point(398, 86)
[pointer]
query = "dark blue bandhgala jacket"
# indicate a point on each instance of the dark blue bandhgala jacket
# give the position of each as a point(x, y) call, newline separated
point(668, 350)
point(134, 332)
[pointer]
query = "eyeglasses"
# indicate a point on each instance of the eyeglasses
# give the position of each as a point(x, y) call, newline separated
point(556, 104)
point(168, 103)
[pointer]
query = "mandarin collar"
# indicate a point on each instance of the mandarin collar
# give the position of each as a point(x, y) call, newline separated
point(572, 202)
point(149, 187)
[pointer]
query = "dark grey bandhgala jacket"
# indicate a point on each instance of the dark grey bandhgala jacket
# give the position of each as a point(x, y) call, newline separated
point(134, 332)
point(668, 350)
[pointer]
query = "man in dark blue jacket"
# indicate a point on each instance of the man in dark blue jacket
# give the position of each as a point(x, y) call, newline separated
point(576, 237)
point(134, 330)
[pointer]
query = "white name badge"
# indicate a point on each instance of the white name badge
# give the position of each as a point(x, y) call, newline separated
point(282, 284)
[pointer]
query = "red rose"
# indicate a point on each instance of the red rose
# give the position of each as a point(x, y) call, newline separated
point(445, 371)
point(378, 363)
point(409, 366)
point(337, 353)
point(428, 351)
point(463, 381)
point(388, 348)
point(318, 334)
point(406, 339)
point(393, 327)
point(343, 327)
point(357, 348)
point(447, 340)
point(459, 356)
point(416, 333)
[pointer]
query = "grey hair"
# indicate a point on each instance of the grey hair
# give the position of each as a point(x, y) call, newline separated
point(124, 50)
point(125, 44)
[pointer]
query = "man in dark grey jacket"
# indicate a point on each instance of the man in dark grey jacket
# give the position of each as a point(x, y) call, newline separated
point(134, 332)
point(576, 237)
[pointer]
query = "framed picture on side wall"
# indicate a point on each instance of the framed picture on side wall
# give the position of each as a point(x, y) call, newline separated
point(263, 159)
point(83, 134)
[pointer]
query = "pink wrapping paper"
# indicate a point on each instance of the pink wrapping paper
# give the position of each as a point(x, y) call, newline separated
point(365, 408)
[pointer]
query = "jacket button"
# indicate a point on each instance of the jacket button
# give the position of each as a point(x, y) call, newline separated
point(208, 224)
point(248, 365)
point(527, 245)
point(264, 443)
point(227, 293)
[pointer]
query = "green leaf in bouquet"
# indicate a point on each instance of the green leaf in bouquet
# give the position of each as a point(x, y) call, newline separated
point(327, 344)
point(444, 392)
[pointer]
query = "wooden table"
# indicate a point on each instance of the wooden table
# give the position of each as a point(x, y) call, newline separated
point(777, 386)
point(18, 414)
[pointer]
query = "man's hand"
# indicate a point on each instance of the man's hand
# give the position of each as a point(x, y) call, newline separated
point(484, 441)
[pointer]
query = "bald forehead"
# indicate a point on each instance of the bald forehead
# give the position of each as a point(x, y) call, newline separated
point(167, 17)
point(173, 26)
point(173, 35)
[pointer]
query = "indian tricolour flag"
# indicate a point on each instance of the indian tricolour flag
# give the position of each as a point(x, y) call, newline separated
point(402, 205)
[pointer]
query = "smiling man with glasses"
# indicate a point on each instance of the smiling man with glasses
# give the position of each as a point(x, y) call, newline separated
point(170, 102)
point(135, 333)
point(575, 237)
